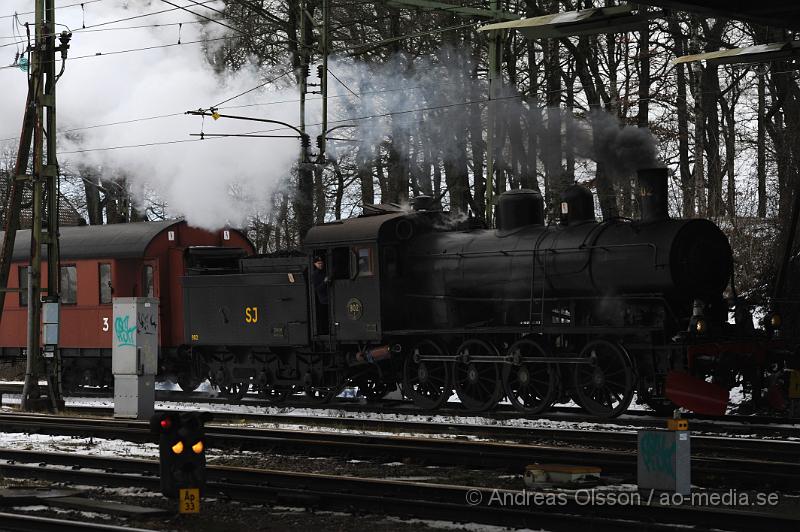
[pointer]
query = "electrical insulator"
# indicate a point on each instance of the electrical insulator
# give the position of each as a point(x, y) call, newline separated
point(305, 141)
point(304, 69)
point(321, 71)
point(321, 142)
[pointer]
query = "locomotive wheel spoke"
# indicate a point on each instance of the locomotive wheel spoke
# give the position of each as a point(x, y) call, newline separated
point(531, 388)
point(234, 391)
point(272, 394)
point(321, 394)
point(477, 384)
point(427, 382)
point(372, 387)
point(605, 387)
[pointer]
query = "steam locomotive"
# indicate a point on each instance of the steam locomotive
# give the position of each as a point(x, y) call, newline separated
point(596, 312)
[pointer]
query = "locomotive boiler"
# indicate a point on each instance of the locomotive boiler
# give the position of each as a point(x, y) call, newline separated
point(535, 312)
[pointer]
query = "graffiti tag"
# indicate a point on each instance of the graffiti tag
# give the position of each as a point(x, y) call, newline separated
point(123, 331)
point(657, 454)
point(146, 324)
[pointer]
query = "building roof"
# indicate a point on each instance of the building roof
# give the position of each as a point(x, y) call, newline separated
point(117, 241)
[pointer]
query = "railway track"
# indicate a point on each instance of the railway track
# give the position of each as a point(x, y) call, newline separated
point(388, 497)
point(760, 426)
point(759, 464)
point(16, 522)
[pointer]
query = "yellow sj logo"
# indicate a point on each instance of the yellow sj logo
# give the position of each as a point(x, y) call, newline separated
point(251, 314)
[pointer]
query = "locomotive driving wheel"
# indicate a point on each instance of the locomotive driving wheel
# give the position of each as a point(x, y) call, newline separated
point(477, 383)
point(531, 387)
point(188, 382)
point(271, 394)
point(604, 387)
point(427, 382)
point(321, 394)
point(371, 385)
point(234, 391)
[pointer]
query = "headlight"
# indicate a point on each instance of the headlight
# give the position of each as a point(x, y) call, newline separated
point(700, 326)
point(775, 320)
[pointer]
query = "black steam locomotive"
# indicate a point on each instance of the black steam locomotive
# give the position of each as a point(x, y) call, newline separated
point(537, 313)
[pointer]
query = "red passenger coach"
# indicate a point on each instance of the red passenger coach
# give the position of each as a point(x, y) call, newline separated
point(98, 263)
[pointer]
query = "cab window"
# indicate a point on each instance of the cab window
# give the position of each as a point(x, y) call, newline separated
point(364, 261)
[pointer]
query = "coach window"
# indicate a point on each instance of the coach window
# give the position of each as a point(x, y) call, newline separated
point(364, 258)
point(148, 282)
point(105, 284)
point(23, 285)
point(69, 285)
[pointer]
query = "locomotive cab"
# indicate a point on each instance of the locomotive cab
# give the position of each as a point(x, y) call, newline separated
point(353, 252)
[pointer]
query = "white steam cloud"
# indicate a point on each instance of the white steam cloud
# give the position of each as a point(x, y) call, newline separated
point(213, 182)
point(221, 181)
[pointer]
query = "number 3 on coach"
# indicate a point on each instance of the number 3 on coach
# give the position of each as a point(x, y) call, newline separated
point(251, 314)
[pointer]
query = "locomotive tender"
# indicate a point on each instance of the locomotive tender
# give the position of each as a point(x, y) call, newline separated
point(98, 263)
point(581, 309)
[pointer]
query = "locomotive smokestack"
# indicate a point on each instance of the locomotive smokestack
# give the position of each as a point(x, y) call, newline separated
point(653, 194)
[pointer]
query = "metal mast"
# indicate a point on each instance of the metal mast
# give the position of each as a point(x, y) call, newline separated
point(39, 127)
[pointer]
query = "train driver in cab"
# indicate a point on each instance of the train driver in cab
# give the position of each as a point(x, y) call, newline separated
point(320, 281)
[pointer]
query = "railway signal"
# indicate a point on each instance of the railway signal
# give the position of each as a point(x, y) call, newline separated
point(182, 456)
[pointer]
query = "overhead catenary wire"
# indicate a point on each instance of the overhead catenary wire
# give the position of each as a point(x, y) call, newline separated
point(85, 2)
point(259, 104)
point(95, 27)
point(365, 117)
point(248, 91)
point(215, 21)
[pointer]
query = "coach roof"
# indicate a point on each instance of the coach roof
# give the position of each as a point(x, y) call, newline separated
point(114, 241)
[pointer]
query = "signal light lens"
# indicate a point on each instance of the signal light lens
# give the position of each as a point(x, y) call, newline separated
point(775, 321)
point(178, 448)
point(166, 423)
point(198, 447)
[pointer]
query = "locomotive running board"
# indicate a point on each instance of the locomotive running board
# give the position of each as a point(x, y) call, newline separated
point(696, 394)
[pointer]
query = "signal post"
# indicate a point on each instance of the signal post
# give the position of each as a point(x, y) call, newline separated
point(182, 457)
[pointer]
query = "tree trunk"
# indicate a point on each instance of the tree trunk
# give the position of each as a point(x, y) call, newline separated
point(364, 159)
point(319, 195)
point(699, 124)
point(457, 175)
point(91, 187)
point(478, 148)
point(761, 148)
point(682, 111)
point(643, 116)
point(709, 97)
point(554, 175)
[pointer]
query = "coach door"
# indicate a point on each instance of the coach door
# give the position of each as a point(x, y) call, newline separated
point(355, 295)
